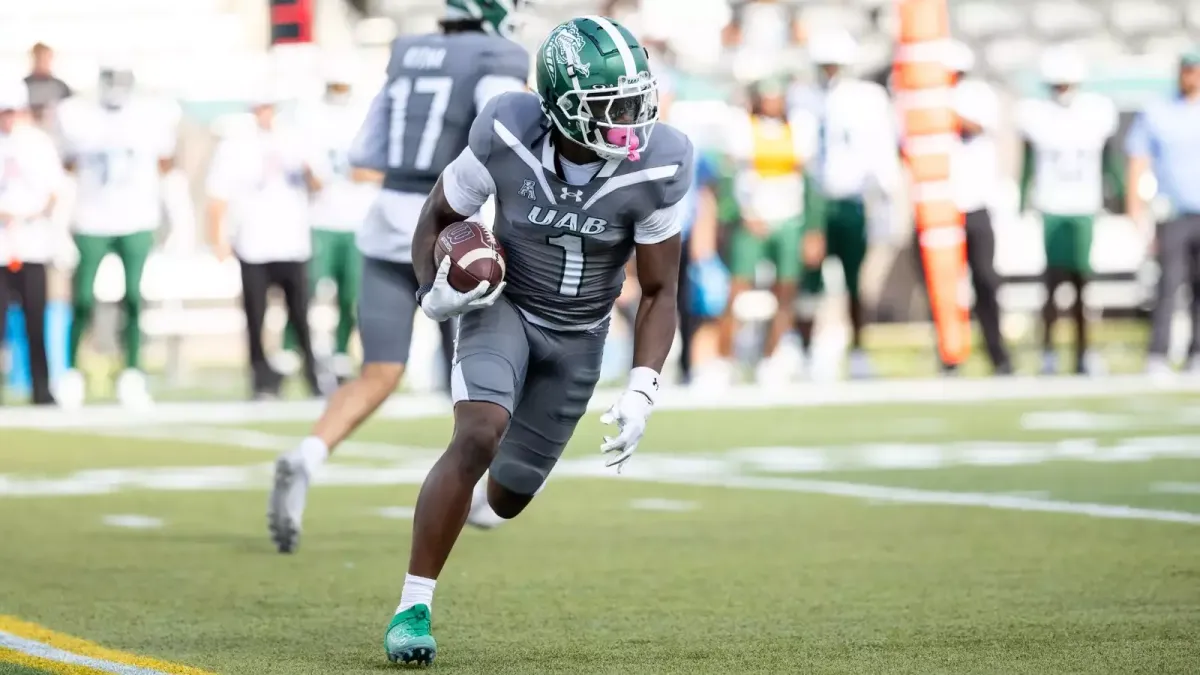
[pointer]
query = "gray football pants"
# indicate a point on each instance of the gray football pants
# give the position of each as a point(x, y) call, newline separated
point(544, 378)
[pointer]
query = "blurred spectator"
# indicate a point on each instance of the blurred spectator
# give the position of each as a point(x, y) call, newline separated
point(974, 176)
point(759, 34)
point(30, 176)
point(45, 89)
point(340, 208)
point(701, 295)
point(775, 197)
point(258, 188)
point(120, 149)
point(1068, 155)
point(856, 156)
point(1165, 142)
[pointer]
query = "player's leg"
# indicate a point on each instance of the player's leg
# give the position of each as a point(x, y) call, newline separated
point(292, 279)
point(981, 255)
point(811, 289)
point(779, 368)
point(71, 389)
point(563, 371)
point(745, 252)
point(134, 251)
point(255, 280)
point(1081, 227)
point(490, 367)
point(348, 276)
point(848, 242)
point(1174, 266)
point(319, 267)
point(386, 309)
point(32, 285)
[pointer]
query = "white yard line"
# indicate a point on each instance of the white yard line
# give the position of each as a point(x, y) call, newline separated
point(880, 493)
point(735, 398)
point(248, 439)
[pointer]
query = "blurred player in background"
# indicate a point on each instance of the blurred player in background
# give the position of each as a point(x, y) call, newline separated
point(580, 183)
point(416, 125)
point(1069, 153)
point(259, 185)
point(339, 209)
point(30, 177)
point(775, 196)
point(974, 179)
point(121, 150)
point(1163, 145)
point(857, 157)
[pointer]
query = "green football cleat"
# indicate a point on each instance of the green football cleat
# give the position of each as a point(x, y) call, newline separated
point(408, 639)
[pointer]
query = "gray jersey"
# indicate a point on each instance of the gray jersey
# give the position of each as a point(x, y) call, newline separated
point(431, 95)
point(567, 245)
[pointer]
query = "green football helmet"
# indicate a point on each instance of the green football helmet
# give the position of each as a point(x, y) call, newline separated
point(498, 16)
point(593, 77)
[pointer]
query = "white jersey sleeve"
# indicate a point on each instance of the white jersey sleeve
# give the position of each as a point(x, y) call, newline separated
point(467, 184)
point(660, 225)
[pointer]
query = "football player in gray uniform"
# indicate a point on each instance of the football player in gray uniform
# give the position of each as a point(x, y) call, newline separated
point(581, 185)
point(415, 126)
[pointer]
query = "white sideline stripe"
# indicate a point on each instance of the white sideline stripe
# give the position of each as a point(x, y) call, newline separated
point(422, 406)
point(44, 651)
point(1176, 488)
point(882, 493)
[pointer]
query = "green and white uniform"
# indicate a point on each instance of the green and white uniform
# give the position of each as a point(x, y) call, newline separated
point(772, 186)
point(115, 153)
point(1065, 166)
point(337, 212)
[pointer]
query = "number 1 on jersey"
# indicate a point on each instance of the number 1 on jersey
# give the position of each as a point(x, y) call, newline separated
point(400, 91)
point(572, 274)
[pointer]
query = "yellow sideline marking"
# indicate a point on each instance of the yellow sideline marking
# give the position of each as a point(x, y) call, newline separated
point(74, 645)
point(27, 661)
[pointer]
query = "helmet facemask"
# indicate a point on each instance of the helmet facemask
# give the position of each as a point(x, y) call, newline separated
point(614, 122)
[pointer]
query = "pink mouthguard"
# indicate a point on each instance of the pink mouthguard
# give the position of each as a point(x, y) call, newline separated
point(623, 136)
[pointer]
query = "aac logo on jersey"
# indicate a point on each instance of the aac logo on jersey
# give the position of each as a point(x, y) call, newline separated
point(526, 190)
point(567, 220)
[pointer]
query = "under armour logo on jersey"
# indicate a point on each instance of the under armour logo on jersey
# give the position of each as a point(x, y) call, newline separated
point(566, 192)
point(526, 191)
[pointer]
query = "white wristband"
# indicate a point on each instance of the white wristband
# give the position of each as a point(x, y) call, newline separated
point(645, 381)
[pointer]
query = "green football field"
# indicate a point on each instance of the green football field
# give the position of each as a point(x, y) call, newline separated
point(1025, 526)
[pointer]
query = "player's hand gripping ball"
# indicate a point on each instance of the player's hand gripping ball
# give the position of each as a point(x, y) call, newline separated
point(475, 256)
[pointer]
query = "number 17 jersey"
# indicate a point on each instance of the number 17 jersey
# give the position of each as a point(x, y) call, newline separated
point(419, 122)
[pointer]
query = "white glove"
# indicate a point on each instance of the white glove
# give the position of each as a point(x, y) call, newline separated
point(630, 413)
point(442, 302)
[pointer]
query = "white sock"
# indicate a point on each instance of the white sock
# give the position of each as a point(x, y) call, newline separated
point(314, 453)
point(417, 591)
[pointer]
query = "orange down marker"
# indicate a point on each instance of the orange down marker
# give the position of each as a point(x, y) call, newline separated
point(931, 133)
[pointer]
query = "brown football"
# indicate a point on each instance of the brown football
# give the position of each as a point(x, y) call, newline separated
point(475, 256)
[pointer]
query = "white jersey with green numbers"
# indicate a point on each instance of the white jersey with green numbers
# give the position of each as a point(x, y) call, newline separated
point(115, 154)
point(1068, 149)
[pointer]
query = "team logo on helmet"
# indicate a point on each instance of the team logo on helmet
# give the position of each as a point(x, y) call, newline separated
point(565, 47)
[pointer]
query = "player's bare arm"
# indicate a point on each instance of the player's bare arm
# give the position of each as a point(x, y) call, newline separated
point(658, 276)
point(436, 215)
